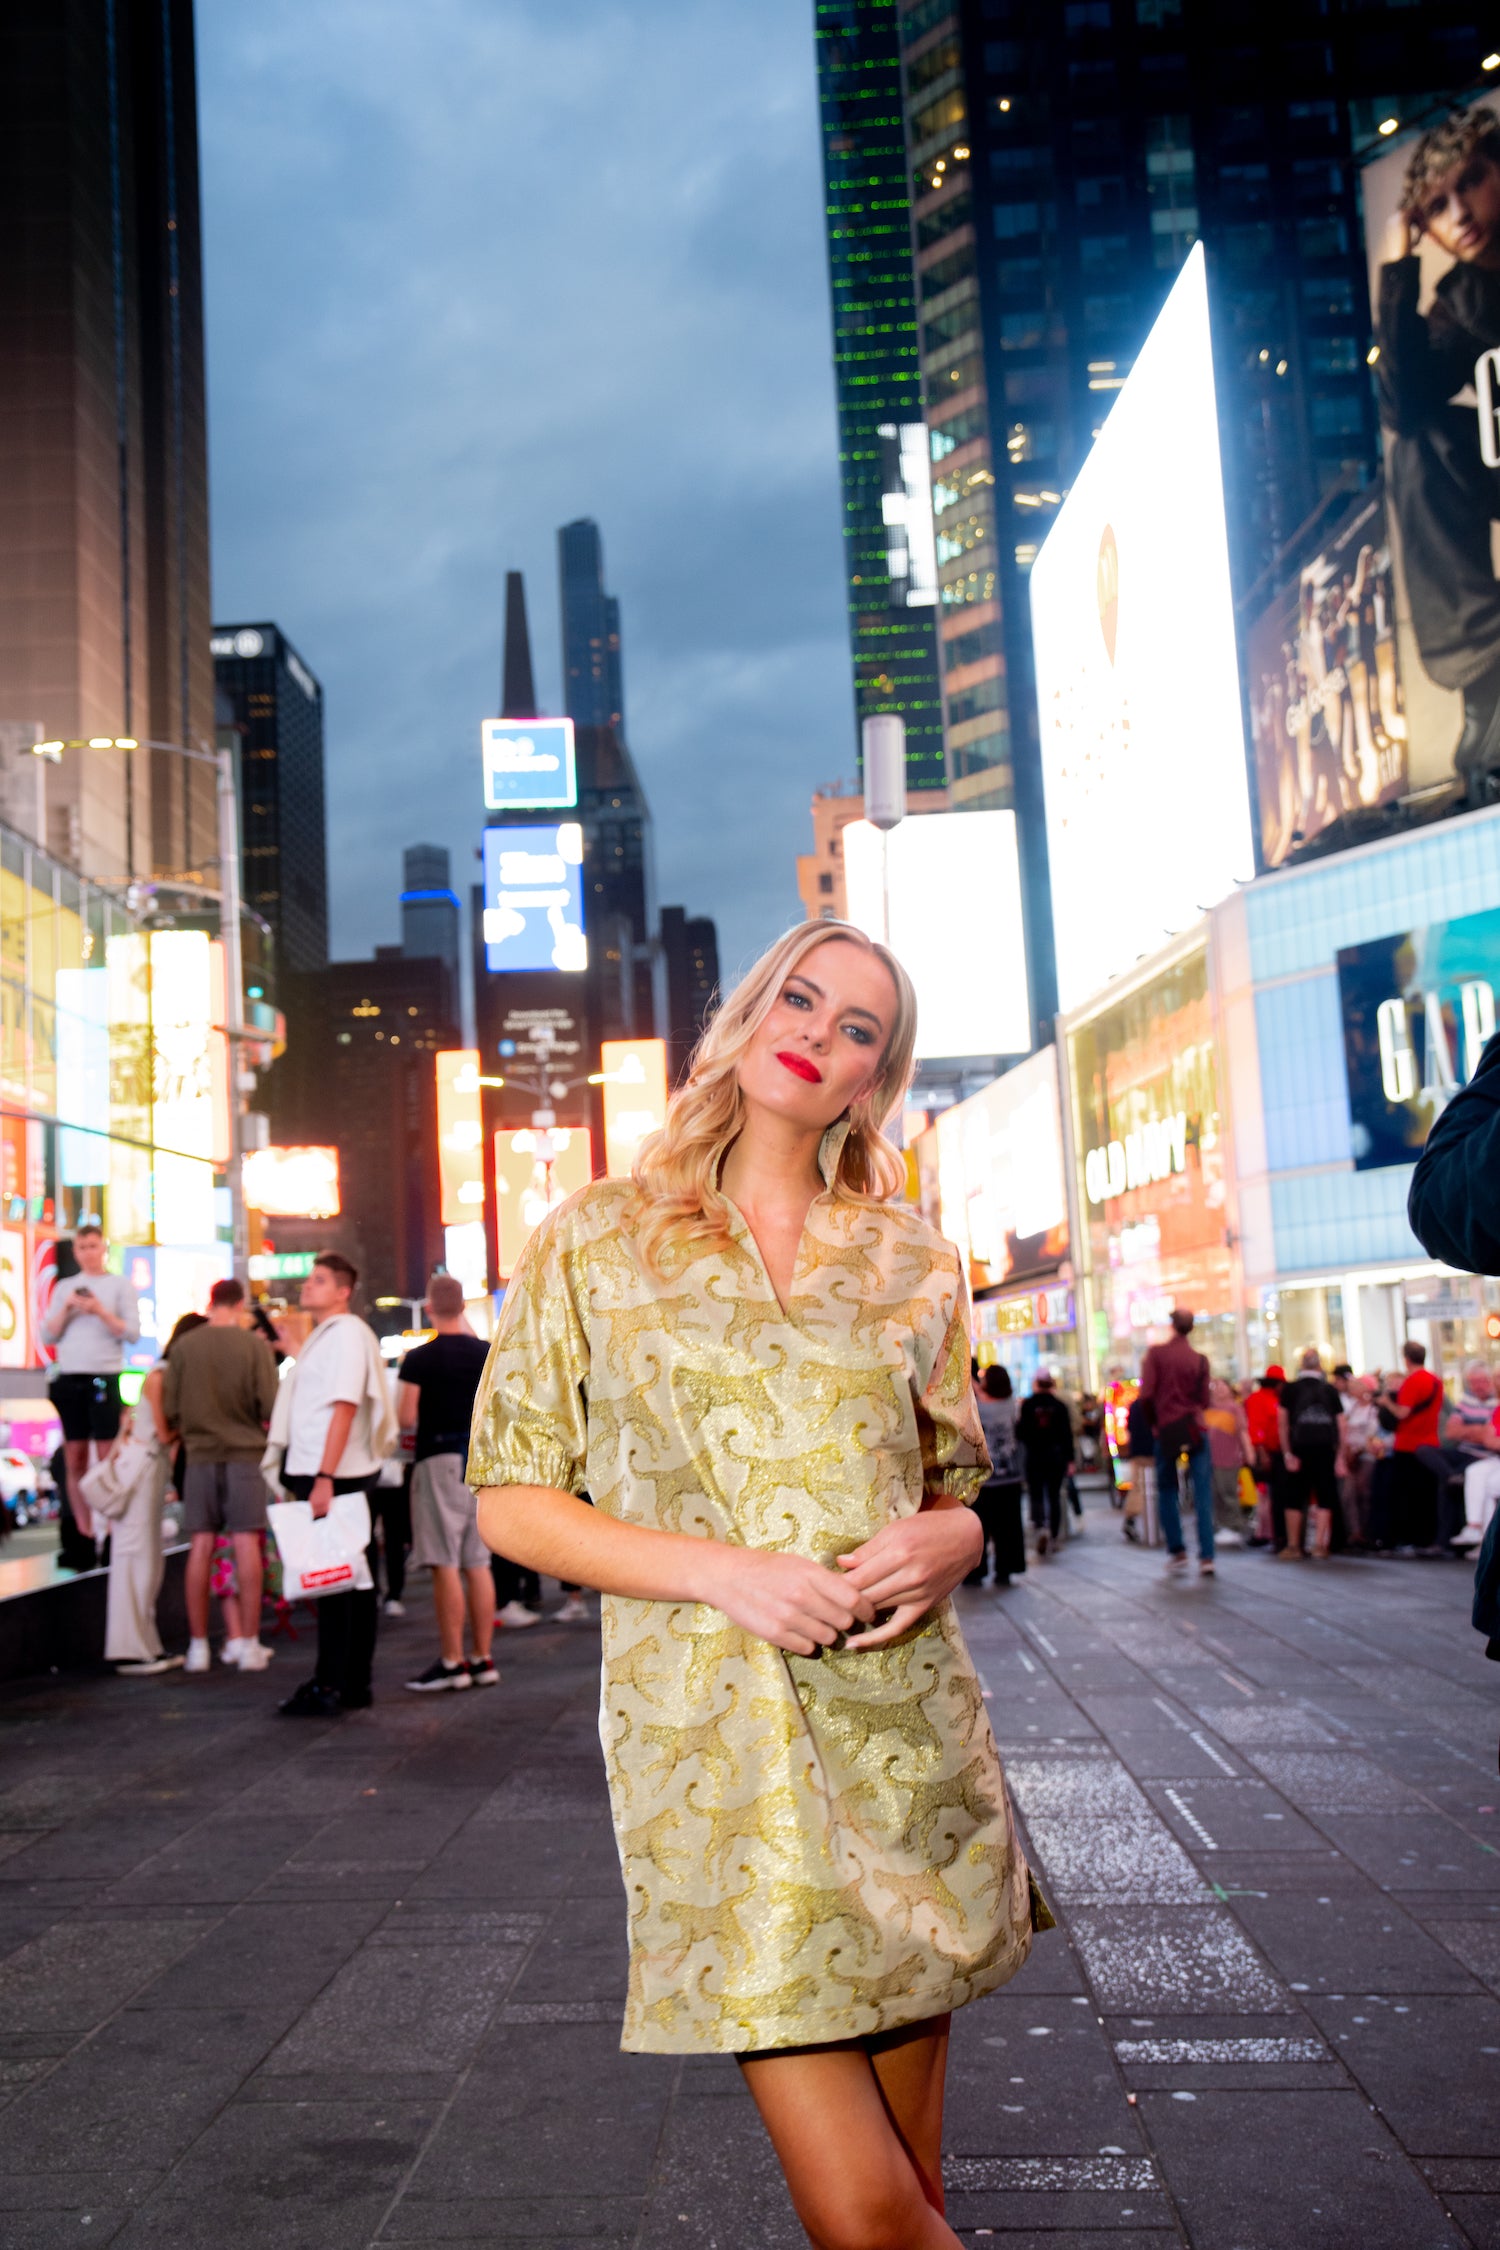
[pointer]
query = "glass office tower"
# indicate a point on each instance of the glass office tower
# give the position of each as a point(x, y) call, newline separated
point(882, 444)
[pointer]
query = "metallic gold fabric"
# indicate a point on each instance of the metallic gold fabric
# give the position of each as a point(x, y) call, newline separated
point(813, 1848)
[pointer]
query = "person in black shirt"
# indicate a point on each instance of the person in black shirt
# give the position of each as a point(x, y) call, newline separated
point(439, 1381)
point(1311, 1420)
point(1044, 1431)
point(1443, 492)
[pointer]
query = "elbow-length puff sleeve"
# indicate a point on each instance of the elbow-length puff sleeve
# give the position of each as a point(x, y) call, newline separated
point(955, 1461)
point(531, 1415)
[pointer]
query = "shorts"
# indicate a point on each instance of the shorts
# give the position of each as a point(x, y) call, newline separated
point(88, 1406)
point(445, 1531)
point(223, 1496)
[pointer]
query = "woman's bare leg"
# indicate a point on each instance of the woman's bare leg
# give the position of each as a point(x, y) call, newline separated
point(857, 2130)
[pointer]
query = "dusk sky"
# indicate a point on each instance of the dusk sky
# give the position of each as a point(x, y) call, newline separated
point(479, 267)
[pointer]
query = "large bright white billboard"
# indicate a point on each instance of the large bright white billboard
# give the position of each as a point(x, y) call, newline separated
point(533, 898)
point(1143, 747)
point(947, 889)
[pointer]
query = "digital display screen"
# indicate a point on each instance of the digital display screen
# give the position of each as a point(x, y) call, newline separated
point(533, 898)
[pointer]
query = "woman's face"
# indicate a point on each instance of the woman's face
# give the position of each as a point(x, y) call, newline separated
point(821, 1046)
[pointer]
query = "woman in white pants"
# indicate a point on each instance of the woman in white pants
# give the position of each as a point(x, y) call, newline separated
point(131, 1640)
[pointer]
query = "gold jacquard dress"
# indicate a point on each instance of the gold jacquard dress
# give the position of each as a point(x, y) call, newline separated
point(814, 1848)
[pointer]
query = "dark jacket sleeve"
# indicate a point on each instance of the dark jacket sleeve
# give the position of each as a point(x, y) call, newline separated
point(1454, 1206)
point(1423, 359)
point(1487, 1588)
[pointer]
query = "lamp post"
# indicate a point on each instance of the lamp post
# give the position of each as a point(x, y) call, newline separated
point(222, 760)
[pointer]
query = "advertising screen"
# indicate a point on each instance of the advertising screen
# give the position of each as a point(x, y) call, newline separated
point(1002, 1189)
point(533, 898)
point(460, 1136)
point(947, 889)
point(189, 1050)
point(635, 1098)
point(1143, 749)
point(534, 1172)
point(1417, 1009)
point(529, 765)
point(292, 1183)
point(1327, 715)
point(1435, 304)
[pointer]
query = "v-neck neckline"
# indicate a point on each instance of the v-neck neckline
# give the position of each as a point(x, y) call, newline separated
point(830, 1148)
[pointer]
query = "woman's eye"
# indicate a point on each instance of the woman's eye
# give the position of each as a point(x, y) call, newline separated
point(797, 999)
point(858, 1033)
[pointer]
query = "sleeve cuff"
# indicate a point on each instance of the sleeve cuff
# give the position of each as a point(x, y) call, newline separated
point(954, 1483)
point(527, 1456)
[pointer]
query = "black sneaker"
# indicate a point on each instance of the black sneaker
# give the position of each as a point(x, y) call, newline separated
point(311, 1702)
point(482, 1671)
point(439, 1676)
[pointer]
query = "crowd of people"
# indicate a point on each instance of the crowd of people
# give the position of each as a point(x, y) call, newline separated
point(230, 1420)
point(1303, 1465)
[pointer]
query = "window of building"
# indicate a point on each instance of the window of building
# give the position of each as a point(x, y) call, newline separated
point(949, 326)
point(1236, 128)
point(933, 225)
point(1023, 331)
point(1325, 237)
point(1156, 15)
point(947, 437)
point(984, 695)
point(1088, 15)
point(825, 885)
point(1102, 189)
point(1312, 177)
point(1031, 441)
point(970, 648)
point(1163, 75)
point(947, 273)
point(1019, 277)
point(1099, 253)
point(1091, 80)
point(1244, 188)
point(1095, 137)
point(1019, 163)
point(942, 116)
point(1313, 120)
point(1247, 247)
point(1332, 294)
point(1005, 58)
point(921, 19)
point(1107, 315)
point(1012, 220)
point(1333, 355)
point(1337, 417)
point(944, 56)
point(1024, 386)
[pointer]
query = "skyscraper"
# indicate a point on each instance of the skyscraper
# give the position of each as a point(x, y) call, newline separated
point(268, 698)
point(429, 912)
point(883, 465)
point(1063, 161)
point(690, 959)
point(593, 683)
point(104, 564)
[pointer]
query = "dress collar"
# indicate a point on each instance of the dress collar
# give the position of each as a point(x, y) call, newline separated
point(831, 1148)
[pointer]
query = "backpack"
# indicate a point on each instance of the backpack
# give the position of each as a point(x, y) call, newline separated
point(1313, 1425)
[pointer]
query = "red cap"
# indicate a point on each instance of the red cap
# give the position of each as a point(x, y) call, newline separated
point(1275, 1375)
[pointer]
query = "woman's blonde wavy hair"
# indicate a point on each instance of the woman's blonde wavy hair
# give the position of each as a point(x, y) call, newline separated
point(678, 1206)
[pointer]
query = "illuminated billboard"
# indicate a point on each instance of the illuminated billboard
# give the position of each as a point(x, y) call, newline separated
point(533, 898)
point(292, 1183)
point(634, 1072)
point(947, 888)
point(906, 510)
point(534, 1172)
point(1418, 1008)
point(1431, 284)
point(460, 1136)
point(189, 1049)
point(1002, 1184)
point(1143, 747)
point(529, 765)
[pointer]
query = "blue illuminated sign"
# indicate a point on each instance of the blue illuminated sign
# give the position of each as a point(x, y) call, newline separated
point(528, 764)
point(533, 898)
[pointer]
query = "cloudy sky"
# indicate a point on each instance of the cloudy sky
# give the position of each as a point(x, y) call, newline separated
point(478, 267)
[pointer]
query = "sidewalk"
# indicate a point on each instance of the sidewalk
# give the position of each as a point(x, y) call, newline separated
point(307, 1986)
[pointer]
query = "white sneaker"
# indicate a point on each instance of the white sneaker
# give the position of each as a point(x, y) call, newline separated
point(254, 1656)
point(230, 1652)
point(574, 1611)
point(140, 1668)
point(516, 1614)
point(1470, 1536)
point(395, 1609)
point(199, 1658)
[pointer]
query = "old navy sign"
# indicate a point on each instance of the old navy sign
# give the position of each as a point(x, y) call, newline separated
point(1153, 1153)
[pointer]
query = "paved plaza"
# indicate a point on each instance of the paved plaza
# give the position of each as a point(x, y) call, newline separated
point(315, 1986)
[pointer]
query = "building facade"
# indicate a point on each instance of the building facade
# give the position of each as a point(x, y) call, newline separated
point(430, 915)
point(593, 678)
point(883, 468)
point(690, 968)
point(271, 706)
point(104, 556)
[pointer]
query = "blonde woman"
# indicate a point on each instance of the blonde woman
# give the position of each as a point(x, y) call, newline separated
point(758, 1368)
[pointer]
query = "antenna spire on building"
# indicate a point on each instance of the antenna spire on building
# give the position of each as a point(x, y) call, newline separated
point(517, 687)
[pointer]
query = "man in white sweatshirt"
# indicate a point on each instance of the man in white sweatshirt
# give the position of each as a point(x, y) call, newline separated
point(90, 1317)
point(334, 1445)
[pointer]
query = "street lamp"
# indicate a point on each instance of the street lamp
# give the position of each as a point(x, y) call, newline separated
point(222, 760)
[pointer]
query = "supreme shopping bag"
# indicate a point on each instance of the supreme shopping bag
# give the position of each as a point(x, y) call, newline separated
point(322, 1554)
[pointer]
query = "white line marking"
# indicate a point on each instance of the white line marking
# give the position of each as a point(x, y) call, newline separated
point(1192, 1820)
point(1240, 1684)
point(1171, 1714)
point(1026, 1660)
point(1210, 1752)
point(1041, 1640)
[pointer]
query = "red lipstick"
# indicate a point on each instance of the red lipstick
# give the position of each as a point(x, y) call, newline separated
point(800, 1067)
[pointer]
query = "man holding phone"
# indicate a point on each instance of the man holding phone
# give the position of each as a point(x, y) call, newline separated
point(90, 1317)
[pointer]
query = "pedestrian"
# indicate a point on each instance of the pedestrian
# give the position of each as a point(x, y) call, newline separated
point(1174, 1378)
point(218, 1391)
point(435, 1398)
point(1473, 1433)
point(1263, 1421)
point(1230, 1454)
point(90, 1317)
point(1140, 1440)
point(1364, 1445)
point(1310, 1427)
point(1413, 1413)
point(132, 1638)
point(759, 1367)
point(1044, 1432)
point(998, 1506)
point(332, 1427)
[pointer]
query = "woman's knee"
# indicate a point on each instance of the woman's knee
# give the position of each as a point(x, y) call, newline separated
point(896, 2216)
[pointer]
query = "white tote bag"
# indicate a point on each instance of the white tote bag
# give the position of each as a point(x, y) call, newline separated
point(322, 1554)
